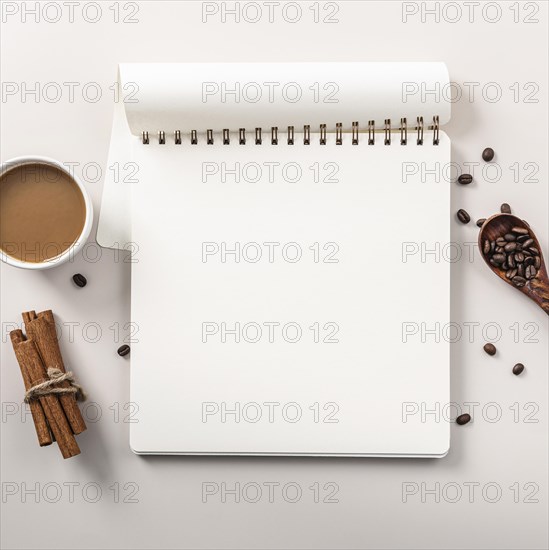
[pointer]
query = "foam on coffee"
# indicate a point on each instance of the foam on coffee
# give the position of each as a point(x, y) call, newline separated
point(42, 212)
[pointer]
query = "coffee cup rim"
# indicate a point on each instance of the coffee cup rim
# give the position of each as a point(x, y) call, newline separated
point(88, 222)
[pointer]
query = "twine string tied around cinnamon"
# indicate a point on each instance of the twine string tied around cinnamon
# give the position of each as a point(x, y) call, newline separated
point(52, 386)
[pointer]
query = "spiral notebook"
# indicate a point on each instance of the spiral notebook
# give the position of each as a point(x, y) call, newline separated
point(277, 216)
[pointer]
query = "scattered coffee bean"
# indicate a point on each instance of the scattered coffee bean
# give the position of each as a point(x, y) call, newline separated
point(520, 270)
point(463, 216)
point(500, 241)
point(505, 208)
point(486, 248)
point(79, 280)
point(522, 238)
point(511, 273)
point(527, 243)
point(123, 350)
point(490, 349)
point(465, 179)
point(463, 419)
point(518, 368)
point(511, 261)
point(510, 247)
point(520, 231)
point(480, 222)
point(534, 250)
point(519, 257)
point(509, 237)
point(488, 154)
point(518, 281)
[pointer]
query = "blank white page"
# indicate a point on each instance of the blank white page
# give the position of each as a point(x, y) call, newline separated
point(274, 302)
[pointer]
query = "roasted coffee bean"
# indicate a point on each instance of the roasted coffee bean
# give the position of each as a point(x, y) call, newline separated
point(534, 250)
point(518, 280)
point(528, 261)
point(522, 238)
point(465, 179)
point(505, 266)
point(494, 263)
point(463, 419)
point(537, 262)
point(520, 270)
point(511, 273)
point(530, 272)
point(528, 243)
point(123, 350)
point(500, 241)
point(520, 231)
point(492, 245)
point(519, 257)
point(488, 154)
point(511, 260)
point(463, 216)
point(480, 222)
point(486, 248)
point(505, 208)
point(490, 349)
point(79, 280)
point(518, 368)
point(509, 237)
point(519, 247)
point(500, 249)
point(498, 258)
point(510, 247)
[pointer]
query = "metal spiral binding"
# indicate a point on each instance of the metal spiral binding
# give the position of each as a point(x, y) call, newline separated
point(387, 131)
point(290, 135)
point(419, 129)
point(371, 132)
point(339, 133)
point(306, 135)
point(355, 133)
point(323, 134)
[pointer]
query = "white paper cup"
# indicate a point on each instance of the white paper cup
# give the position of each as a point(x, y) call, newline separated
point(73, 249)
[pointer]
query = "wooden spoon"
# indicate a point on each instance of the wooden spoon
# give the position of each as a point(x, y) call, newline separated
point(536, 289)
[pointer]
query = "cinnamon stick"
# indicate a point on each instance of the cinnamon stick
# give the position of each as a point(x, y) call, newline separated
point(41, 329)
point(27, 351)
point(37, 412)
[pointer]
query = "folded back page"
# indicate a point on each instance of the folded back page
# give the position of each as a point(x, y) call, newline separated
point(217, 96)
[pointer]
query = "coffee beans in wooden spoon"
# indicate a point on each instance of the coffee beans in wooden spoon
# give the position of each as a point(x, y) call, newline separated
point(512, 251)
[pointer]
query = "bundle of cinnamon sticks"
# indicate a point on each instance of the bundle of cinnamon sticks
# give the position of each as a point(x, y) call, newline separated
point(52, 402)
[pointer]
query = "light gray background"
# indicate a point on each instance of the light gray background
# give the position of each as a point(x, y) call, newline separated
point(503, 455)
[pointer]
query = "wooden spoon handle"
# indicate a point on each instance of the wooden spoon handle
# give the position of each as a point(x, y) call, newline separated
point(539, 292)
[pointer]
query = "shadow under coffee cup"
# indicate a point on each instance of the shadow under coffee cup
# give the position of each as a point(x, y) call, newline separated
point(45, 213)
